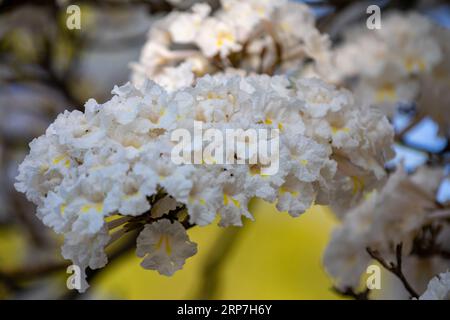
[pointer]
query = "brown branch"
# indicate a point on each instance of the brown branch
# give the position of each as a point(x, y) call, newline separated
point(394, 268)
point(425, 245)
point(42, 270)
point(437, 157)
point(350, 292)
point(8, 283)
point(220, 252)
point(61, 81)
point(153, 6)
point(417, 118)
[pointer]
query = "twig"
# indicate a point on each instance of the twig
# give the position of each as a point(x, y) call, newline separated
point(425, 245)
point(153, 6)
point(220, 251)
point(9, 283)
point(439, 214)
point(60, 82)
point(418, 118)
point(118, 222)
point(350, 292)
point(436, 156)
point(395, 268)
point(19, 275)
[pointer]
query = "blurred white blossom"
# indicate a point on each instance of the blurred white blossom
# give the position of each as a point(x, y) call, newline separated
point(241, 36)
point(403, 62)
point(438, 288)
point(395, 215)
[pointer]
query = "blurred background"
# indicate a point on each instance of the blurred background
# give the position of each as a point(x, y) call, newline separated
point(46, 68)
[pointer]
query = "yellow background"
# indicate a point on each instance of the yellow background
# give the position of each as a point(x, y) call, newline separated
point(274, 257)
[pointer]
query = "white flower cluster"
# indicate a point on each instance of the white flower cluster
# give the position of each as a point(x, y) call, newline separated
point(403, 62)
point(115, 159)
point(395, 215)
point(253, 36)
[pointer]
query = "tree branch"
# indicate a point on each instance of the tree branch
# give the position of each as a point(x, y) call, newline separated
point(220, 252)
point(349, 292)
point(394, 268)
point(152, 5)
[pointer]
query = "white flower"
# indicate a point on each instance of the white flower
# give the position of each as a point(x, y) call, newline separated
point(290, 16)
point(264, 8)
point(321, 98)
point(307, 157)
point(345, 258)
point(242, 15)
point(185, 28)
point(173, 78)
point(217, 37)
point(401, 64)
point(86, 251)
point(235, 200)
point(295, 196)
point(405, 43)
point(438, 288)
point(387, 91)
point(165, 246)
point(392, 216)
point(357, 134)
point(205, 197)
point(153, 55)
point(44, 169)
point(163, 206)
